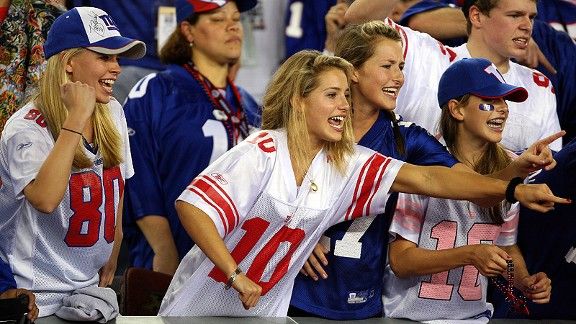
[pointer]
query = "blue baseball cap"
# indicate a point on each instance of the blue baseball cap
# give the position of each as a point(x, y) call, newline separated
point(90, 28)
point(478, 77)
point(185, 8)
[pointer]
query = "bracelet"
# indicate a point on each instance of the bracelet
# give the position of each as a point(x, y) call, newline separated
point(511, 188)
point(71, 130)
point(232, 278)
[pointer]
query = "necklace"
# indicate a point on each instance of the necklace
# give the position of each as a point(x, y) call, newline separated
point(515, 299)
point(234, 122)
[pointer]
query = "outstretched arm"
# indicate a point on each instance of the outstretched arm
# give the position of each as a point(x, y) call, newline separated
point(204, 233)
point(442, 182)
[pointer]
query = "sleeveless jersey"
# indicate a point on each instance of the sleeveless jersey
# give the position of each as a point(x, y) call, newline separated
point(437, 224)
point(174, 135)
point(268, 223)
point(528, 121)
point(57, 253)
point(360, 246)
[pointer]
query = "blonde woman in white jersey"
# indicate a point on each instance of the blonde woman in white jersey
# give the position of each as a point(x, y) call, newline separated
point(443, 250)
point(63, 160)
point(257, 212)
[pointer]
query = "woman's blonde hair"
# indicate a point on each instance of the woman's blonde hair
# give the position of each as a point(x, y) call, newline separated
point(293, 81)
point(357, 44)
point(48, 100)
point(494, 158)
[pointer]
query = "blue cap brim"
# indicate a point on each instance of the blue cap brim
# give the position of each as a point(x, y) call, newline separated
point(121, 46)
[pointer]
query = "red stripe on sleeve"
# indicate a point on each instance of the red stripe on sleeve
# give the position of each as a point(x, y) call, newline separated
point(366, 185)
point(209, 202)
point(213, 191)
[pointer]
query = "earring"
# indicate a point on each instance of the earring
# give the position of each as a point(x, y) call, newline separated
point(191, 44)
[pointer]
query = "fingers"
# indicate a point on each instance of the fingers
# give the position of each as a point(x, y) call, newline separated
point(549, 139)
point(248, 291)
point(32, 308)
point(539, 288)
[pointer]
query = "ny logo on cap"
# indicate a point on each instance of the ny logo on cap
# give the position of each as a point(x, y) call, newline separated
point(98, 25)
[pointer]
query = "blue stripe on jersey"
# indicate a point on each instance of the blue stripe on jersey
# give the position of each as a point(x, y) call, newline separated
point(354, 286)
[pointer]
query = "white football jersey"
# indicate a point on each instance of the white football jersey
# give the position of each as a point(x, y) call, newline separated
point(268, 223)
point(57, 253)
point(437, 224)
point(427, 59)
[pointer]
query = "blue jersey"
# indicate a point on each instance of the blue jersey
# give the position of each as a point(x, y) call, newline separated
point(358, 248)
point(6, 277)
point(305, 25)
point(560, 14)
point(548, 241)
point(174, 135)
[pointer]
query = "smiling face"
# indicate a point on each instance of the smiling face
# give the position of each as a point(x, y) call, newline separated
point(378, 80)
point(217, 35)
point(327, 107)
point(99, 71)
point(481, 123)
point(505, 32)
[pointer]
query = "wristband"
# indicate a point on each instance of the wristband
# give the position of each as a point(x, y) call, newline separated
point(511, 188)
point(71, 130)
point(232, 278)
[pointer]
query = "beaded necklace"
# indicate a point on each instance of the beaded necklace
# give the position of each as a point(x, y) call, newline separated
point(515, 299)
point(234, 122)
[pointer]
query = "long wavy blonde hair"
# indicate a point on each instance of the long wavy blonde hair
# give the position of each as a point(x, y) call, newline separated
point(294, 80)
point(48, 100)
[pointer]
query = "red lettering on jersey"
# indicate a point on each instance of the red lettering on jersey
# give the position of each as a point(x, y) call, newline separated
point(255, 228)
point(36, 115)
point(264, 142)
point(447, 51)
point(112, 178)
point(87, 192)
point(540, 79)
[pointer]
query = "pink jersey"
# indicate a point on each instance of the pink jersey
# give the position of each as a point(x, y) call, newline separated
point(57, 253)
point(437, 224)
point(427, 59)
point(268, 223)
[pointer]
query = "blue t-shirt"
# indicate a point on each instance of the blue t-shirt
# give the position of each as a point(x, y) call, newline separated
point(353, 288)
point(174, 135)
